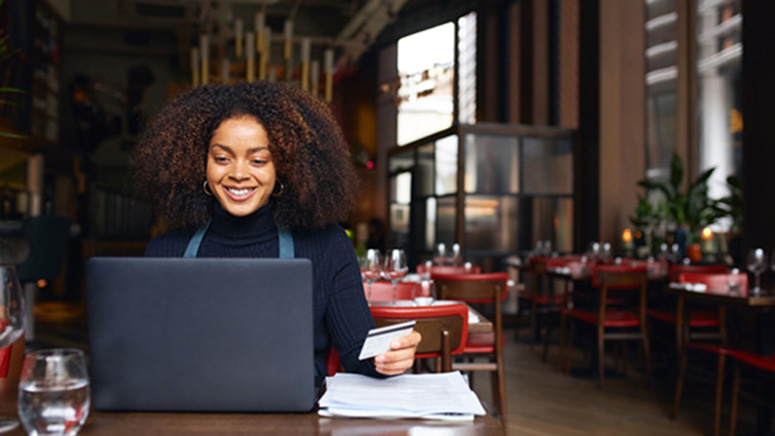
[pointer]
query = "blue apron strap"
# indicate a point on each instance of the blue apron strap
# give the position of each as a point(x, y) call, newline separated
point(193, 245)
point(286, 243)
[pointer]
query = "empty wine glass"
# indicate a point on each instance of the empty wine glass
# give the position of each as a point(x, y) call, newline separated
point(54, 393)
point(371, 268)
point(441, 254)
point(11, 321)
point(395, 268)
point(757, 263)
point(456, 257)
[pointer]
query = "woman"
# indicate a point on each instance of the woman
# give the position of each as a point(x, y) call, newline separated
point(250, 170)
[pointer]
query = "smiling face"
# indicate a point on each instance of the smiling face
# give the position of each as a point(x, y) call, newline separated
point(240, 171)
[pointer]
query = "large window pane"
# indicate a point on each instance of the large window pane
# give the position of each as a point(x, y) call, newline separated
point(446, 165)
point(551, 219)
point(445, 232)
point(661, 85)
point(491, 223)
point(430, 223)
point(492, 164)
point(548, 166)
point(425, 177)
point(426, 69)
point(719, 69)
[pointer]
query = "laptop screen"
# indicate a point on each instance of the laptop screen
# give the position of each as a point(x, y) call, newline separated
point(201, 334)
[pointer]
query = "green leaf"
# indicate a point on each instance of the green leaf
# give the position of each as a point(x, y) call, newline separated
point(676, 172)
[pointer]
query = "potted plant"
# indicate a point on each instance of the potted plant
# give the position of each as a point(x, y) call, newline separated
point(673, 215)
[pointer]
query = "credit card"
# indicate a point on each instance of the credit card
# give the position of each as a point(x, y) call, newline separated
point(378, 340)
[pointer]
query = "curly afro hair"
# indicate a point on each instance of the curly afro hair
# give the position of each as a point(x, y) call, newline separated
point(311, 157)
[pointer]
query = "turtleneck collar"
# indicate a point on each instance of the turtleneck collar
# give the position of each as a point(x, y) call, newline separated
point(256, 225)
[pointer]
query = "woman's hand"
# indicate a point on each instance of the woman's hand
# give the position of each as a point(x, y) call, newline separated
point(401, 355)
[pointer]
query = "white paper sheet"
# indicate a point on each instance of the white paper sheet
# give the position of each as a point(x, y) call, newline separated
point(408, 395)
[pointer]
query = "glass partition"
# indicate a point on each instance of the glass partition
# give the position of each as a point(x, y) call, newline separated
point(518, 188)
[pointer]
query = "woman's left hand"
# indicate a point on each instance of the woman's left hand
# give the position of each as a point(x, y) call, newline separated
point(401, 355)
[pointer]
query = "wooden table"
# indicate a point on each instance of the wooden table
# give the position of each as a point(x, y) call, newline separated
point(157, 423)
point(765, 322)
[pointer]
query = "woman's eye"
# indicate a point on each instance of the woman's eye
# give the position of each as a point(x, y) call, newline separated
point(220, 159)
point(258, 161)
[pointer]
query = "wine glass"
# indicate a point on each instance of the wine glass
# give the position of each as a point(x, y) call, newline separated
point(757, 263)
point(54, 392)
point(441, 254)
point(395, 269)
point(371, 268)
point(456, 257)
point(11, 321)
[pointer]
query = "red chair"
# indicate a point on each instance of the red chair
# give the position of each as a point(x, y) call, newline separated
point(382, 290)
point(760, 366)
point(712, 281)
point(612, 324)
point(489, 289)
point(444, 329)
point(541, 296)
point(448, 269)
point(703, 324)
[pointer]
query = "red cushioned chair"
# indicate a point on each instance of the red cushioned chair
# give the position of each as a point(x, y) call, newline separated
point(490, 289)
point(717, 281)
point(612, 324)
point(760, 367)
point(703, 324)
point(382, 291)
point(444, 329)
point(542, 297)
point(712, 281)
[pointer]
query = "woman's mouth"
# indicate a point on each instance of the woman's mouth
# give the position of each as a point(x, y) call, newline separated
point(240, 193)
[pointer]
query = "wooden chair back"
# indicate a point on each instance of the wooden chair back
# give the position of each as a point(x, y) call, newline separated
point(382, 290)
point(620, 277)
point(444, 329)
point(675, 270)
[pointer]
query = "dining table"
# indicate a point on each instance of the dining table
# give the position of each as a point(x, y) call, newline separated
point(189, 423)
point(761, 304)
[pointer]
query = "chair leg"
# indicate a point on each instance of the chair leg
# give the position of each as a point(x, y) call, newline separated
point(569, 347)
point(733, 411)
point(646, 352)
point(545, 353)
point(679, 385)
point(533, 323)
point(719, 392)
point(600, 356)
point(561, 351)
point(499, 391)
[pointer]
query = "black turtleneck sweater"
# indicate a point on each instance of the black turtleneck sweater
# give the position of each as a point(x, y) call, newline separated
point(341, 314)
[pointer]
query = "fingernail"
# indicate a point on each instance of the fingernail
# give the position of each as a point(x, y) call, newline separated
point(380, 359)
point(395, 344)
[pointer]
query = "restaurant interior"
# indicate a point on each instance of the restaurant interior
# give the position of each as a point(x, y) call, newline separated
point(594, 173)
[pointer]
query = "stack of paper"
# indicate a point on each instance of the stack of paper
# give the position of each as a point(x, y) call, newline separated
point(428, 396)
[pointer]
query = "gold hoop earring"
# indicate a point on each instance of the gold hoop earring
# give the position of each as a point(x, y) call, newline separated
point(206, 190)
point(278, 193)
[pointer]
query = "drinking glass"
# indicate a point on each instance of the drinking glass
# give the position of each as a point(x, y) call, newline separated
point(757, 263)
point(427, 294)
point(441, 254)
point(456, 257)
point(395, 269)
point(54, 393)
point(371, 268)
point(11, 321)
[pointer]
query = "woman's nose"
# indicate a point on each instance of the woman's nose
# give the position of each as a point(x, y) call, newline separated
point(240, 170)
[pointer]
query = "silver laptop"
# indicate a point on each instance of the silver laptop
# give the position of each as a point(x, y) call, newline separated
point(210, 335)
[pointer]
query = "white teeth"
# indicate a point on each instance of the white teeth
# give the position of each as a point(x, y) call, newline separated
point(239, 192)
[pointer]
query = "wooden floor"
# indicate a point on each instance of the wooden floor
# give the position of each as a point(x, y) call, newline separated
point(543, 401)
